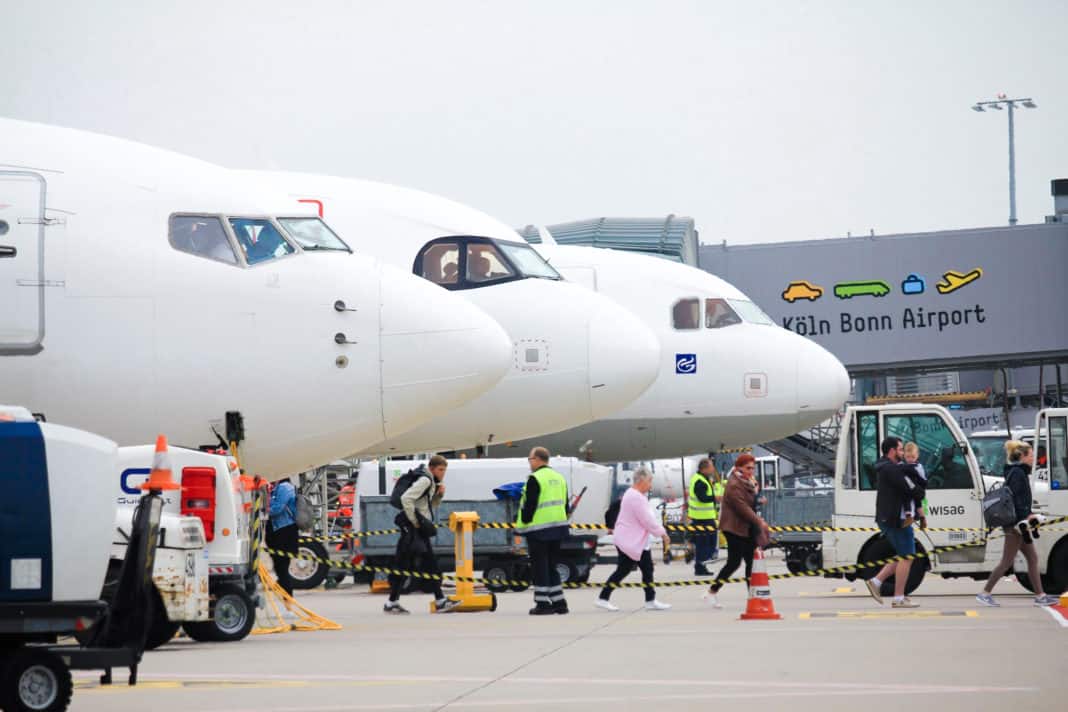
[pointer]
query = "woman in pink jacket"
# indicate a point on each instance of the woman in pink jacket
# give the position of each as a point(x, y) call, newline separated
point(634, 526)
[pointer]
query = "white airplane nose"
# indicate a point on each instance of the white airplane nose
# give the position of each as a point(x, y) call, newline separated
point(624, 357)
point(438, 351)
point(822, 383)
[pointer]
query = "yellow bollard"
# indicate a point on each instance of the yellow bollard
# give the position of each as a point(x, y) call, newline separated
point(463, 525)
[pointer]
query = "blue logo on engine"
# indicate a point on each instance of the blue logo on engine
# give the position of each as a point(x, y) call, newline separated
point(685, 363)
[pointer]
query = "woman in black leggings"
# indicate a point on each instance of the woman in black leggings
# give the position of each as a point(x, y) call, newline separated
point(739, 523)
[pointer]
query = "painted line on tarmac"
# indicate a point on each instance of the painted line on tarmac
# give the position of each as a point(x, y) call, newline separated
point(840, 591)
point(807, 615)
point(1059, 613)
point(543, 702)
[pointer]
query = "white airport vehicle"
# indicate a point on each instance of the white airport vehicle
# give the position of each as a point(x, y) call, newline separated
point(577, 356)
point(53, 561)
point(146, 292)
point(955, 490)
point(989, 447)
point(204, 572)
point(728, 376)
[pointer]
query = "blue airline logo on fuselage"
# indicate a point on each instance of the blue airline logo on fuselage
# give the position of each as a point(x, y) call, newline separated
point(686, 363)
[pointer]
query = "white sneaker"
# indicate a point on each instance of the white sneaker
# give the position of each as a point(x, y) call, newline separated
point(656, 605)
point(711, 600)
point(607, 605)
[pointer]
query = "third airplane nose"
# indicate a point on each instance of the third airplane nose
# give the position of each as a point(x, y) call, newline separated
point(624, 357)
point(822, 383)
point(438, 351)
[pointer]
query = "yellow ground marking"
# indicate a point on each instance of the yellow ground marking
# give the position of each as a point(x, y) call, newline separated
point(840, 591)
point(117, 687)
point(900, 613)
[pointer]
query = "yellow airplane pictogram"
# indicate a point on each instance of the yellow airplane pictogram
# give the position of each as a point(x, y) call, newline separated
point(952, 281)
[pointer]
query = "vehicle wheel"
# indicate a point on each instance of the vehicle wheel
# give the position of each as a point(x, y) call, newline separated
point(881, 549)
point(1025, 580)
point(493, 602)
point(309, 574)
point(35, 680)
point(793, 566)
point(161, 629)
point(1056, 579)
point(813, 561)
point(232, 618)
point(566, 571)
point(497, 572)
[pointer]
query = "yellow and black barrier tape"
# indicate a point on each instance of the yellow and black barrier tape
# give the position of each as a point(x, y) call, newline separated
point(814, 528)
point(845, 569)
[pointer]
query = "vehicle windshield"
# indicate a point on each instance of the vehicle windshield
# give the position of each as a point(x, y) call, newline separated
point(990, 453)
point(528, 261)
point(260, 240)
point(750, 312)
point(313, 234)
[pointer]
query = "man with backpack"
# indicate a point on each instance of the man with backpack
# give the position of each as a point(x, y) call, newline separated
point(282, 532)
point(417, 494)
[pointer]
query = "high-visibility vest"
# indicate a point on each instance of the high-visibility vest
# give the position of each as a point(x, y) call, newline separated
point(699, 510)
point(552, 502)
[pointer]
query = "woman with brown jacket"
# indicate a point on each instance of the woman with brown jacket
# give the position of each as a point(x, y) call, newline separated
point(739, 523)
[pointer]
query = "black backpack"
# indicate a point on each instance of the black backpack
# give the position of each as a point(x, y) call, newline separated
point(403, 483)
point(612, 514)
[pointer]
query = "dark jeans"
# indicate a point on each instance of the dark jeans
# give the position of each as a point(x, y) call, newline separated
point(284, 539)
point(704, 544)
point(544, 555)
point(624, 566)
point(738, 548)
point(415, 552)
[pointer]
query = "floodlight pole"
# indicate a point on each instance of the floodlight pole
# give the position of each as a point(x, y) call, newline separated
point(1010, 104)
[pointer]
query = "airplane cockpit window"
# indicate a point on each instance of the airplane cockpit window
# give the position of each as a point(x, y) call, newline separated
point(750, 312)
point(485, 264)
point(528, 261)
point(718, 314)
point(470, 262)
point(313, 234)
point(441, 262)
point(260, 239)
point(201, 235)
point(686, 314)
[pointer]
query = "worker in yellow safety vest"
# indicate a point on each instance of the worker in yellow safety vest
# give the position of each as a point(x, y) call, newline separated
point(542, 519)
point(706, 492)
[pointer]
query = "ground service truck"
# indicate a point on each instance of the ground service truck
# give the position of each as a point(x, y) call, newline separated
point(204, 575)
point(56, 518)
point(955, 491)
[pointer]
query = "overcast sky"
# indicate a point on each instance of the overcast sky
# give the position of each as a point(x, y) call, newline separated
point(765, 121)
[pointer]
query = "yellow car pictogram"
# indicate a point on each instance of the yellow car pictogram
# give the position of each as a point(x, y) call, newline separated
point(802, 289)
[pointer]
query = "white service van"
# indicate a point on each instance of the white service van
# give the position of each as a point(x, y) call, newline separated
point(955, 490)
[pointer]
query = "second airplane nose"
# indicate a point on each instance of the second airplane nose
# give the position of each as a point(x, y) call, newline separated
point(624, 357)
point(822, 383)
point(438, 351)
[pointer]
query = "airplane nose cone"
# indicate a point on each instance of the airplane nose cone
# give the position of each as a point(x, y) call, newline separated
point(438, 351)
point(624, 357)
point(822, 383)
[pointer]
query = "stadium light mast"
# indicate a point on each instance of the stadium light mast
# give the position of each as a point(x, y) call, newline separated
point(1002, 102)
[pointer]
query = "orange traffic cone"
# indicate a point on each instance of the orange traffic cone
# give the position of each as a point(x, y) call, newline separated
point(160, 477)
point(760, 606)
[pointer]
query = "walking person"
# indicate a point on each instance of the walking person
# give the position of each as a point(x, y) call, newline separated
point(282, 531)
point(633, 531)
point(701, 504)
point(415, 551)
point(1020, 458)
point(739, 523)
point(542, 519)
point(900, 490)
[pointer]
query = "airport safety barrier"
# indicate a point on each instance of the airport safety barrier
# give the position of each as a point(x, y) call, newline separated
point(814, 527)
point(706, 581)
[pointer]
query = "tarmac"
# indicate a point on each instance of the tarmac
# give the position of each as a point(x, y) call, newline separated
point(834, 649)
